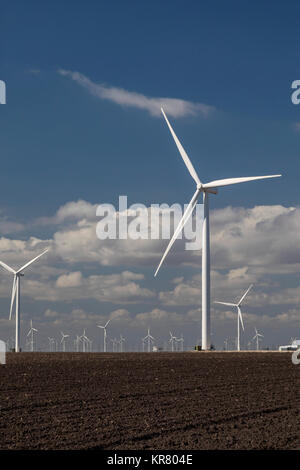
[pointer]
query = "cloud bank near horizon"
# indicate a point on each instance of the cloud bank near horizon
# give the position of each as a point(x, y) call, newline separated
point(87, 276)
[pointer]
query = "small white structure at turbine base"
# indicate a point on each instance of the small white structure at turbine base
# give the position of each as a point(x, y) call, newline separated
point(206, 189)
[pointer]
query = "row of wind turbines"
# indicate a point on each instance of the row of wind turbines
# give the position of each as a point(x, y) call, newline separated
point(201, 188)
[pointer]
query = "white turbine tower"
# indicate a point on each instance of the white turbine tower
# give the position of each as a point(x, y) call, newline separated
point(149, 339)
point(63, 341)
point(104, 334)
point(31, 333)
point(239, 318)
point(257, 336)
point(206, 188)
point(16, 294)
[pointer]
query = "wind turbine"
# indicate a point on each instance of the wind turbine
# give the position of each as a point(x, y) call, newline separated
point(51, 344)
point(239, 318)
point(172, 340)
point(104, 334)
point(63, 341)
point(76, 343)
point(115, 344)
point(206, 189)
point(16, 293)
point(85, 341)
point(31, 332)
point(257, 336)
point(121, 341)
point(150, 339)
point(180, 340)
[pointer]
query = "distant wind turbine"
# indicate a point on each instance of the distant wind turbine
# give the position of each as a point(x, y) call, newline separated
point(172, 340)
point(257, 336)
point(51, 344)
point(121, 341)
point(31, 333)
point(85, 341)
point(104, 334)
point(239, 318)
point(115, 344)
point(181, 341)
point(211, 187)
point(16, 293)
point(63, 341)
point(149, 339)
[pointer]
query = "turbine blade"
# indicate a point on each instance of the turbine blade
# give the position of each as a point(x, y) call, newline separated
point(107, 323)
point(182, 152)
point(242, 298)
point(225, 303)
point(99, 326)
point(227, 181)
point(241, 318)
point(180, 226)
point(13, 295)
point(30, 262)
point(8, 268)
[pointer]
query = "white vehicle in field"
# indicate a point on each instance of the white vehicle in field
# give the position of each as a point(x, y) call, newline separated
point(291, 347)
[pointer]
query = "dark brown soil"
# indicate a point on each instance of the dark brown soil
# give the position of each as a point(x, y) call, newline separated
point(156, 401)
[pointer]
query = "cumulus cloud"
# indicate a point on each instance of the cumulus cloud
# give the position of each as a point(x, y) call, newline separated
point(174, 107)
point(259, 245)
point(69, 280)
point(115, 288)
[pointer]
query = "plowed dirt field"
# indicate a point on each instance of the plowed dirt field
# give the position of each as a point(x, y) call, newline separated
point(156, 401)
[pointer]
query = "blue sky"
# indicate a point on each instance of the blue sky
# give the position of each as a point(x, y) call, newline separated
point(60, 143)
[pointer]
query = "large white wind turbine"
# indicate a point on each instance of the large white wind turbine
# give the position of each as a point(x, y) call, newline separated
point(104, 334)
point(16, 292)
point(211, 187)
point(239, 318)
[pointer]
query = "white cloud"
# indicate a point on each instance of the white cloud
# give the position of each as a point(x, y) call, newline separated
point(69, 280)
point(260, 245)
point(174, 107)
